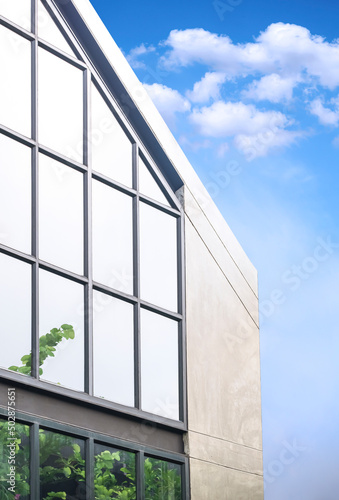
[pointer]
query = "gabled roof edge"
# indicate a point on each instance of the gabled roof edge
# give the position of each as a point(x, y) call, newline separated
point(133, 99)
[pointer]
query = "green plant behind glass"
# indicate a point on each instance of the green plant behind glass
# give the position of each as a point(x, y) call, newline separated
point(47, 348)
point(21, 461)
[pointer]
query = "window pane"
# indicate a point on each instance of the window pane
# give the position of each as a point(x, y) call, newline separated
point(60, 106)
point(61, 331)
point(148, 186)
point(111, 148)
point(15, 314)
point(61, 214)
point(113, 349)
point(17, 11)
point(62, 466)
point(114, 473)
point(15, 81)
point(112, 238)
point(14, 452)
point(48, 30)
point(159, 365)
point(158, 257)
point(162, 480)
point(15, 194)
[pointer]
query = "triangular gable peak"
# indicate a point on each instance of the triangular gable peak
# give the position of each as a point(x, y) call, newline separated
point(115, 124)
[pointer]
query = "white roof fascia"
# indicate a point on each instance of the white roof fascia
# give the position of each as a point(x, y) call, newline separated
point(165, 138)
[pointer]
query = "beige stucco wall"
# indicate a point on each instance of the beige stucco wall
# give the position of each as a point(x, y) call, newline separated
point(223, 368)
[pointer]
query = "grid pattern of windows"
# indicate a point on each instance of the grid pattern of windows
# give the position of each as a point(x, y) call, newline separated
point(60, 462)
point(90, 246)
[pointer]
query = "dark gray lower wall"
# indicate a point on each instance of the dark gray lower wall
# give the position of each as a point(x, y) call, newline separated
point(93, 419)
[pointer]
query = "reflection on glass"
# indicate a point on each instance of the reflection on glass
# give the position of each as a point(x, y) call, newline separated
point(15, 81)
point(113, 349)
point(15, 194)
point(112, 238)
point(60, 105)
point(114, 473)
point(17, 11)
point(159, 365)
point(148, 186)
point(61, 214)
point(14, 444)
point(62, 466)
point(15, 313)
point(48, 30)
point(158, 257)
point(162, 480)
point(111, 148)
point(61, 327)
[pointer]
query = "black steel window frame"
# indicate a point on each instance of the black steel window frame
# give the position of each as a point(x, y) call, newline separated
point(175, 210)
point(90, 438)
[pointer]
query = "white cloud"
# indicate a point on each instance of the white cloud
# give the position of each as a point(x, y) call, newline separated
point(135, 53)
point(285, 49)
point(335, 142)
point(325, 115)
point(207, 88)
point(168, 101)
point(255, 132)
point(272, 87)
point(224, 119)
point(256, 145)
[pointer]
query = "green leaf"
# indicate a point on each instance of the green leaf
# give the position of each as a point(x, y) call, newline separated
point(60, 494)
point(26, 358)
point(67, 327)
point(76, 448)
point(13, 368)
point(25, 370)
point(67, 471)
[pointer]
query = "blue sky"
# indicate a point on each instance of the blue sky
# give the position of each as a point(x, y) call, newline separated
point(250, 89)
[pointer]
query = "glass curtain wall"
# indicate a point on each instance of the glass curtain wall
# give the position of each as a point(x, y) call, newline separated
point(81, 467)
point(90, 232)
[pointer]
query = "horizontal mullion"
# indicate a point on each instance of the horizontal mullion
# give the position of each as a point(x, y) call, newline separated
point(17, 136)
point(63, 55)
point(99, 287)
point(62, 159)
point(11, 252)
point(46, 266)
point(17, 29)
point(134, 300)
point(160, 310)
point(74, 396)
point(159, 205)
point(114, 184)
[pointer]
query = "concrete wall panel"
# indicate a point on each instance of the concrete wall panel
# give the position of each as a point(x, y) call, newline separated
point(214, 482)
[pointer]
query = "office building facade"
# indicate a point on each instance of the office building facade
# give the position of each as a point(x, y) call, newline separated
point(129, 364)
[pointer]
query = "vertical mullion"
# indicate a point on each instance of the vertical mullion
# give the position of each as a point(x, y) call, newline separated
point(140, 470)
point(185, 480)
point(34, 9)
point(136, 284)
point(137, 357)
point(34, 462)
point(88, 237)
point(181, 325)
point(35, 201)
point(136, 223)
point(89, 468)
